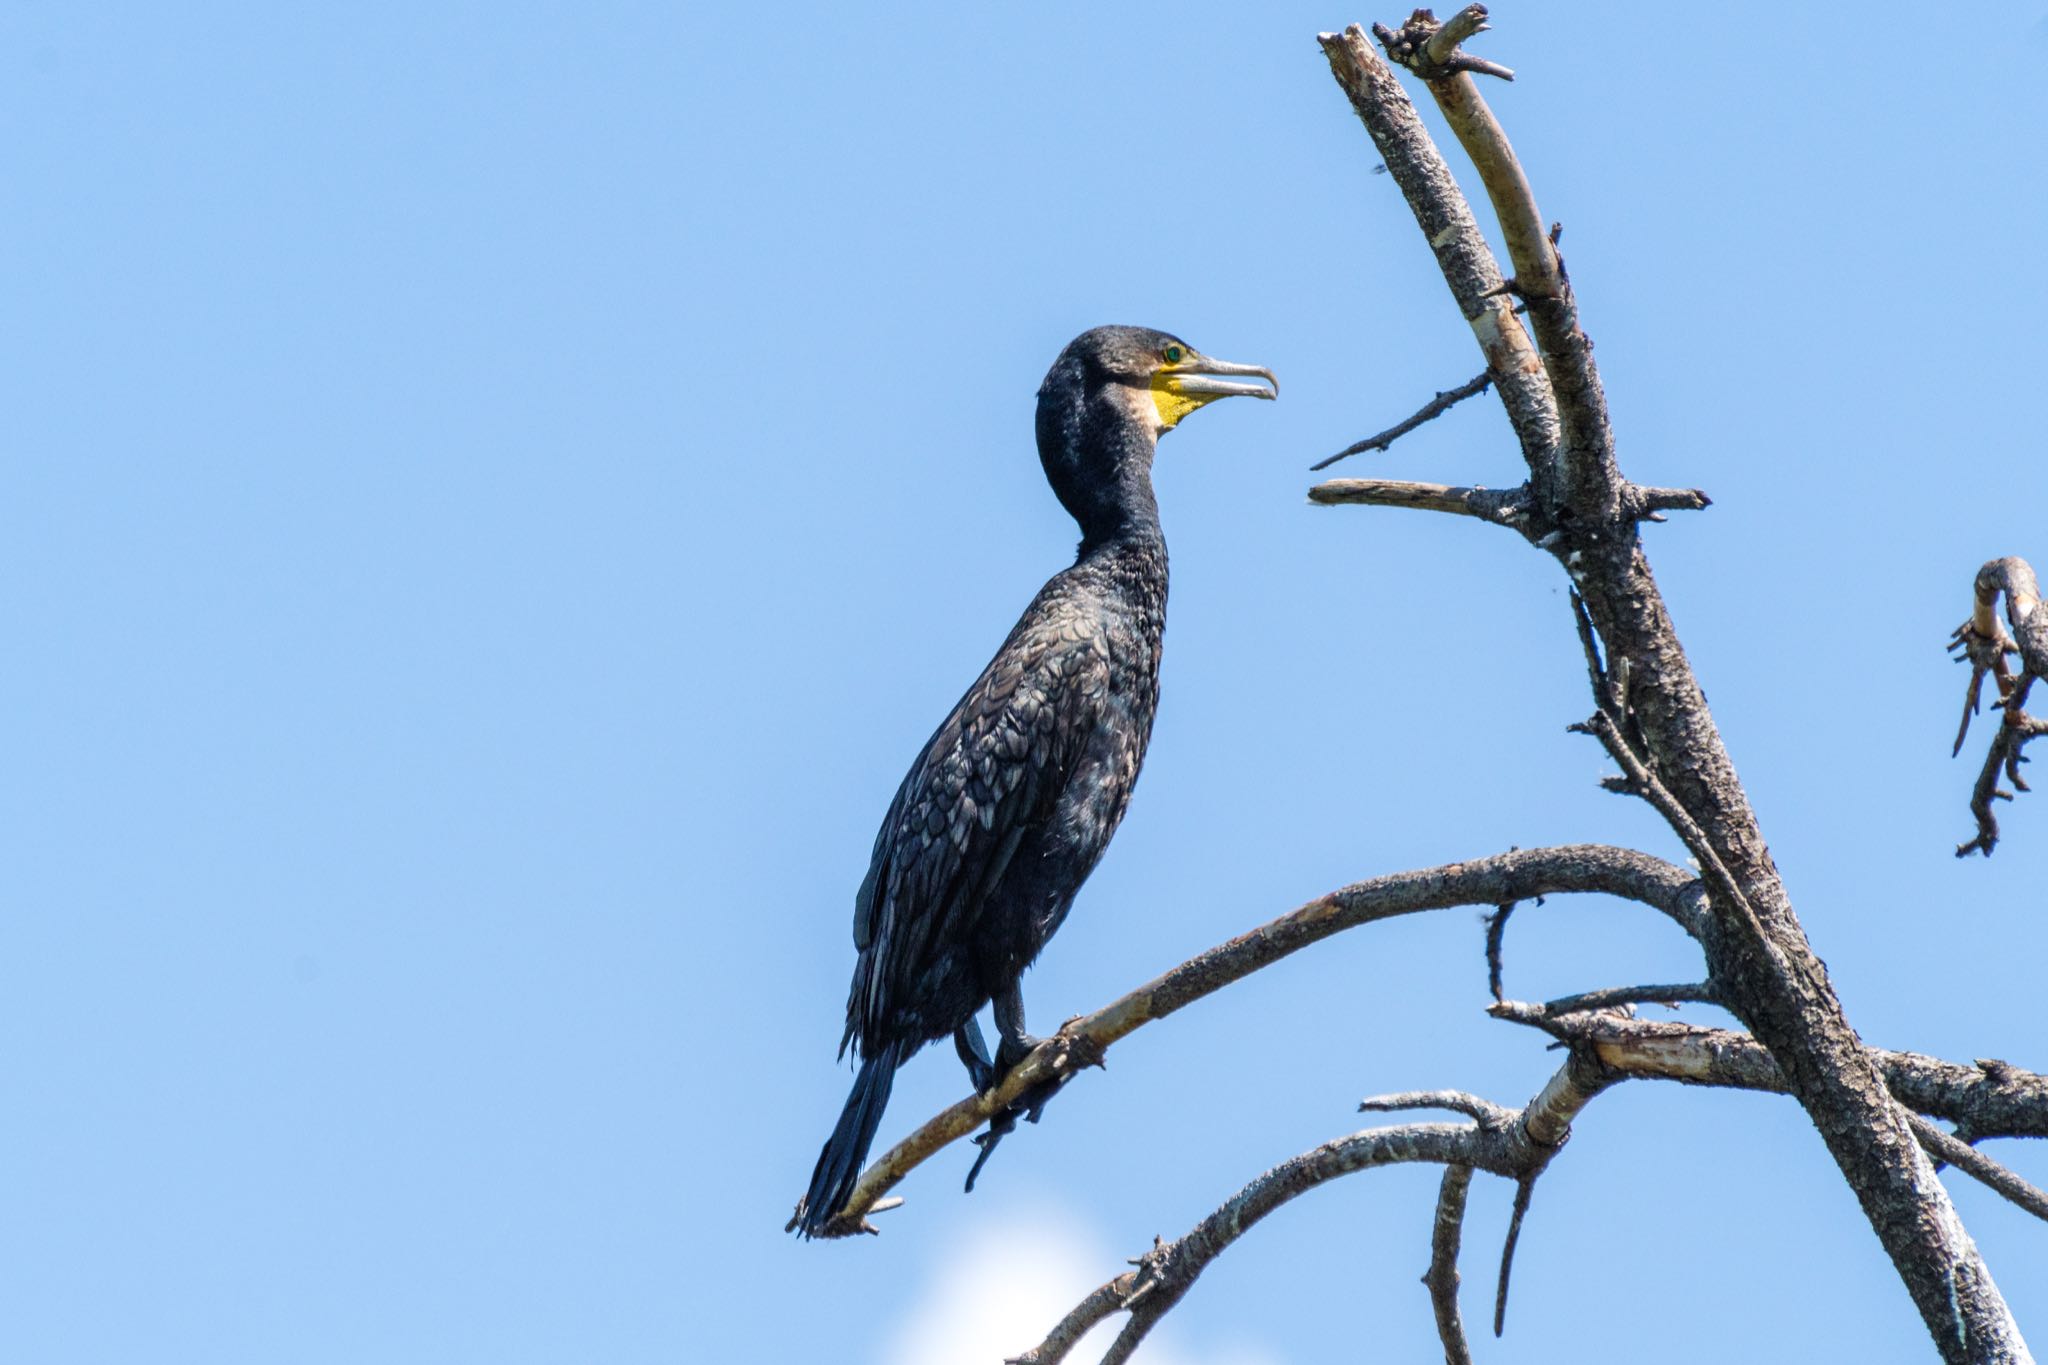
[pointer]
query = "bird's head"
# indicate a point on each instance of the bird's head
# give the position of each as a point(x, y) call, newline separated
point(1113, 392)
point(1155, 376)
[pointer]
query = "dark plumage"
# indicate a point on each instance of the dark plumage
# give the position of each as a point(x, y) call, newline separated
point(1014, 798)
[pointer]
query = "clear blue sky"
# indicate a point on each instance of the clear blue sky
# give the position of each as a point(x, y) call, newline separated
point(496, 496)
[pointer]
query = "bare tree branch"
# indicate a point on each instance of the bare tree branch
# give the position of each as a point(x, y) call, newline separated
point(1606, 1049)
point(1442, 1276)
point(1701, 991)
point(1969, 1160)
point(2014, 577)
point(1647, 503)
point(1461, 252)
point(1985, 645)
point(1106, 1299)
point(1992, 1098)
point(1434, 408)
point(1525, 1190)
point(1606, 726)
point(1592, 485)
point(1496, 939)
point(1432, 52)
point(1517, 1149)
point(1488, 504)
point(1081, 1042)
point(1457, 1101)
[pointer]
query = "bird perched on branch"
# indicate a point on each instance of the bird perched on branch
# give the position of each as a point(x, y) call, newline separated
point(1012, 801)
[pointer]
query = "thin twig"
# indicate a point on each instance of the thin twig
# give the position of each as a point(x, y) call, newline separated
point(1525, 1189)
point(1985, 649)
point(1647, 785)
point(1496, 933)
point(1435, 407)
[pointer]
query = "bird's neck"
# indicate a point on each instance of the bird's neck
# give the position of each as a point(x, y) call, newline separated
point(1098, 456)
point(1127, 521)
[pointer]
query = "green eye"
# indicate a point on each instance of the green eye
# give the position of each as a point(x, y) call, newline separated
point(1173, 355)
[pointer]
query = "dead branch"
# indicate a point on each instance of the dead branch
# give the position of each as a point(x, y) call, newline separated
point(1716, 1057)
point(1488, 504)
point(1496, 939)
point(1517, 1148)
point(1591, 485)
point(1606, 725)
point(1467, 263)
point(1701, 991)
point(1432, 52)
point(1446, 1232)
point(1961, 1155)
point(1648, 504)
point(1983, 643)
point(1430, 411)
point(1081, 1042)
point(1457, 1101)
point(1991, 1099)
point(1525, 1190)
point(1106, 1299)
point(1606, 1048)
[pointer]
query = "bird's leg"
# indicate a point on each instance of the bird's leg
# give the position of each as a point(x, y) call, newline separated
point(1013, 1044)
point(973, 1050)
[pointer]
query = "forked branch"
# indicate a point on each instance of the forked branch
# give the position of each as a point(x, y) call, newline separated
point(1590, 487)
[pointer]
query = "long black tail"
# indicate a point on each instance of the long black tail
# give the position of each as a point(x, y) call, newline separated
point(846, 1151)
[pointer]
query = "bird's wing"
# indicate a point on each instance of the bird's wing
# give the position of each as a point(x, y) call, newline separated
point(992, 772)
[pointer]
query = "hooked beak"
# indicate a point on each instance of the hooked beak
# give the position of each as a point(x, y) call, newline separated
point(1198, 377)
point(1178, 390)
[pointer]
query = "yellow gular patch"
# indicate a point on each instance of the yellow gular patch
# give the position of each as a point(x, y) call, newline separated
point(1172, 403)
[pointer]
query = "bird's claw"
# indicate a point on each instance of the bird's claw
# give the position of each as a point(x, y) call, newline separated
point(999, 1127)
point(1029, 1106)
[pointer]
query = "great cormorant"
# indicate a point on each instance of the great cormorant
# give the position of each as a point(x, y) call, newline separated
point(1014, 798)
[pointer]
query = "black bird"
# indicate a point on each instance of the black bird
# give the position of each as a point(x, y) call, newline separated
point(1014, 798)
